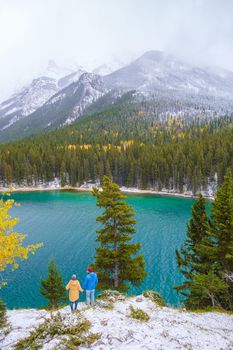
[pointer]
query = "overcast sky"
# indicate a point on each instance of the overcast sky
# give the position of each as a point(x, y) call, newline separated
point(91, 32)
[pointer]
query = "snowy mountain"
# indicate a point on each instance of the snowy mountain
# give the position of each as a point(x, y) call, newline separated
point(104, 69)
point(110, 326)
point(33, 96)
point(56, 71)
point(61, 109)
point(70, 102)
point(157, 71)
point(108, 68)
point(26, 101)
point(61, 95)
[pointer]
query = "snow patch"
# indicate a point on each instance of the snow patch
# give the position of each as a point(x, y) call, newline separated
point(167, 328)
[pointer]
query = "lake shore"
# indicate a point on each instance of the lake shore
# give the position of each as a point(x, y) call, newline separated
point(88, 188)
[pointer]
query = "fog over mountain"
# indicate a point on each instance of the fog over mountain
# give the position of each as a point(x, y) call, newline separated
point(103, 35)
point(156, 79)
point(156, 70)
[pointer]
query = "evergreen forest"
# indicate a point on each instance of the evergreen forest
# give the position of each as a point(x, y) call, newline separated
point(129, 143)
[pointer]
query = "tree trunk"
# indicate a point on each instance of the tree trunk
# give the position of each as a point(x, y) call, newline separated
point(212, 299)
point(116, 268)
point(116, 271)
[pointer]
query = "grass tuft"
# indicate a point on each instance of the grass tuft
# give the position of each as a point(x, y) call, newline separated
point(138, 314)
point(111, 295)
point(154, 296)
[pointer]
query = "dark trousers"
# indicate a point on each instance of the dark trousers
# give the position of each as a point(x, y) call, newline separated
point(73, 305)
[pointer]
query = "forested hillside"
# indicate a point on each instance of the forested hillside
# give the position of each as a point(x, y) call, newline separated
point(130, 143)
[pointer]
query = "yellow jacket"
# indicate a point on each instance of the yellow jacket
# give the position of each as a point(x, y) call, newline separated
point(74, 288)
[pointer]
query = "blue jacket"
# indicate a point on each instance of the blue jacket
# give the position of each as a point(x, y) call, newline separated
point(90, 281)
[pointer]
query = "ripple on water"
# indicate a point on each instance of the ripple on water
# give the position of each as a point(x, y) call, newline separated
point(65, 223)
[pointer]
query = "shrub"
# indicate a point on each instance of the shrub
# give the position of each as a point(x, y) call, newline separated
point(111, 296)
point(108, 305)
point(73, 342)
point(2, 314)
point(155, 297)
point(71, 333)
point(138, 314)
point(107, 298)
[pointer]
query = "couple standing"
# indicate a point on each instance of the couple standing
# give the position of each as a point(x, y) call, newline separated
point(89, 286)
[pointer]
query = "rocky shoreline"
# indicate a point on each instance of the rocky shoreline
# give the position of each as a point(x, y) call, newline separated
point(88, 188)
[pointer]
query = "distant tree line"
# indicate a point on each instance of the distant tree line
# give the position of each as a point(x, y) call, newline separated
point(128, 145)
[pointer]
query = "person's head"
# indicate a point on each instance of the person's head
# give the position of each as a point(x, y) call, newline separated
point(90, 269)
point(73, 277)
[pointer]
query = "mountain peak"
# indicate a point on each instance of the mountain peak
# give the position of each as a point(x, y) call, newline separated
point(154, 55)
point(89, 78)
point(160, 71)
point(51, 64)
point(55, 71)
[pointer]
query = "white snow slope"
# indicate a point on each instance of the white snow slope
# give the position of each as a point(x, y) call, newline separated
point(167, 328)
point(35, 94)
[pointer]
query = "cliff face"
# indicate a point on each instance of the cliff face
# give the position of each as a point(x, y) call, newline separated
point(109, 325)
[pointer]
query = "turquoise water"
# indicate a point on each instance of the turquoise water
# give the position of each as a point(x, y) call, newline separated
point(65, 223)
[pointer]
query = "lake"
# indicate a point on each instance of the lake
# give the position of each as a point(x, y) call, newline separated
point(65, 223)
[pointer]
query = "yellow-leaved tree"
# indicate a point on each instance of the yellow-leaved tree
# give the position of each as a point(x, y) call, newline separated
point(11, 242)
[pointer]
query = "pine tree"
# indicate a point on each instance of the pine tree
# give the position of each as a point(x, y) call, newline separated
point(52, 288)
point(221, 235)
point(222, 224)
point(63, 174)
point(189, 258)
point(206, 257)
point(207, 289)
point(116, 259)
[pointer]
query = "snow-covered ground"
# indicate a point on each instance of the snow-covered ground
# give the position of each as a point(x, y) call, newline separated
point(88, 186)
point(167, 328)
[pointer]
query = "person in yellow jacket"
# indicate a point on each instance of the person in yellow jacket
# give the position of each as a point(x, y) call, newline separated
point(74, 288)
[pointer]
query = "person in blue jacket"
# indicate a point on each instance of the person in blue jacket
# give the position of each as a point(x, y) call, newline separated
point(89, 286)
